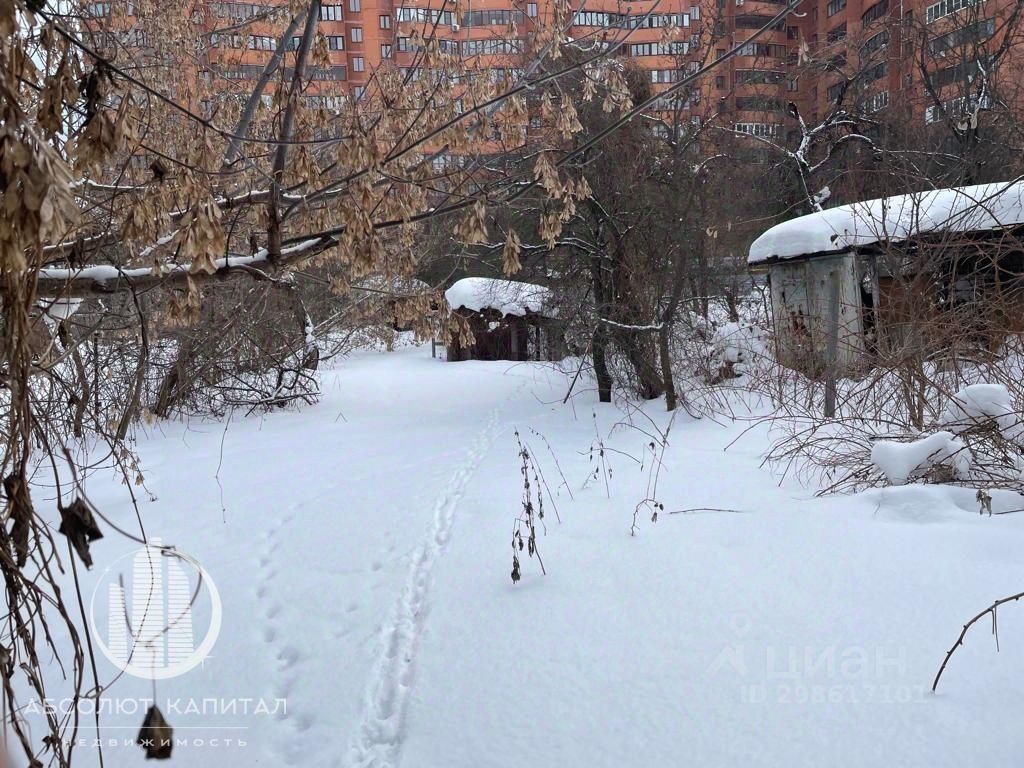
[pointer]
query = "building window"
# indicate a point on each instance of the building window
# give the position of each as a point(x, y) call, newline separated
point(971, 33)
point(875, 43)
point(762, 130)
point(961, 106)
point(768, 50)
point(216, 40)
point(357, 34)
point(695, 12)
point(875, 12)
point(793, 84)
point(758, 104)
point(321, 74)
point(759, 77)
point(261, 43)
point(531, 10)
point(385, 50)
point(654, 21)
point(866, 77)
point(836, 33)
point(495, 18)
point(336, 42)
point(489, 47)
point(963, 72)
point(404, 44)
point(876, 102)
point(355, 6)
point(601, 19)
point(332, 103)
point(756, 21)
point(658, 49)
point(358, 64)
point(426, 16)
point(945, 8)
point(330, 13)
point(834, 7)
point(720, 81)
point(385, 21)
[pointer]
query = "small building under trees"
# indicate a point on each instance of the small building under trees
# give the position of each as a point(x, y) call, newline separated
point(397, 300)
point(509, 321)
point(925, 274)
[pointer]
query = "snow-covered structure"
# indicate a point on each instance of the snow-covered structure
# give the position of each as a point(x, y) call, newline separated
point(510, 320)
point(836, 275)
point(389, 293)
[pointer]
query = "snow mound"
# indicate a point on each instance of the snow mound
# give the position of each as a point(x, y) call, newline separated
point(934, 503)
point(979, 403)
point(898, 461)
point(506, 296)
point(893, 219)
point(60, 309)
point(738, 343)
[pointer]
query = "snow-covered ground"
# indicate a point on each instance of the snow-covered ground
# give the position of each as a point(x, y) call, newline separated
point(361, 549)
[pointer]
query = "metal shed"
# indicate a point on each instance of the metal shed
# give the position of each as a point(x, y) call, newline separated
point(840, 278)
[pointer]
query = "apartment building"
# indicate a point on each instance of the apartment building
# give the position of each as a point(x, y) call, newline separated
point(871, 53)
point(909, 60)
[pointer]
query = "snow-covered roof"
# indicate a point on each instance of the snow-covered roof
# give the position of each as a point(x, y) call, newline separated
point(506, 296)
point(978, 208)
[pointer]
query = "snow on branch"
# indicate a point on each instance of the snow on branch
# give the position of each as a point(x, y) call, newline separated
point(105, 278)
point(628, 327)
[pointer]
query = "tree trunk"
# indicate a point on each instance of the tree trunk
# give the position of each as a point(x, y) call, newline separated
point(599, 346)
point(168, 393)
point(640, 351)
point(666, 368)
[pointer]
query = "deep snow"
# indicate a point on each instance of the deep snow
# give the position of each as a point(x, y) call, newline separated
point(361, 549)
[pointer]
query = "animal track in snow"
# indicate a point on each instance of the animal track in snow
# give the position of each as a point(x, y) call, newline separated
point(287, 657)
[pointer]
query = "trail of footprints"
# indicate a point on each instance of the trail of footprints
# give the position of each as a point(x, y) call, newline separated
point(287, 657)
point(378, 740)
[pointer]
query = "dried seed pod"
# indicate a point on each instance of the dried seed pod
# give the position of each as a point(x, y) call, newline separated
point(79, 525)
point(156, 737)
point(19, 509)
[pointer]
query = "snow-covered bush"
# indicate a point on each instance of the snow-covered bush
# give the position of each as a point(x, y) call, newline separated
point(980, 405)
point(974, 436)
point(735, 346)
point(717, 358)
point(900, 462)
